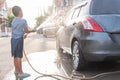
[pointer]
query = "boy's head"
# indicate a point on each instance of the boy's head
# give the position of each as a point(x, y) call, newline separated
point(17, 11)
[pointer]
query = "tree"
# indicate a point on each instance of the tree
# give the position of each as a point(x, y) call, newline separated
point(10, 18)
point(39, 20)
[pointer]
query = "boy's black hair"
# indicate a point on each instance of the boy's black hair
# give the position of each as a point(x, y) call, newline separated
point(16, 10)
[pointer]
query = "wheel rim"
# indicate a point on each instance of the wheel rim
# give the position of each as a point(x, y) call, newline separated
point(75, 54)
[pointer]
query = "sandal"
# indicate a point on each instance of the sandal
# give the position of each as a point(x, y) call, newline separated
point(16, 75)
point(23, 75)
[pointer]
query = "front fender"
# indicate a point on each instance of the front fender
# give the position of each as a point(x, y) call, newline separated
point(60, 30)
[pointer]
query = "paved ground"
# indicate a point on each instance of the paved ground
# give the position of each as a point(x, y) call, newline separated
point(34, 43)
point(44, 62)
point(43, 56)
point(6, 63)
point(100, 71)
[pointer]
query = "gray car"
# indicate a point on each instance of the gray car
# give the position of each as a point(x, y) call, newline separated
point(91, 32)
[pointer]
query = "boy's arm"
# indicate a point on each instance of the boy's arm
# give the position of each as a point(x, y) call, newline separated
point(26, 30)
point(25, 35)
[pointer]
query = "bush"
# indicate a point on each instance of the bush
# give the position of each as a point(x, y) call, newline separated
point(40, 20)
point(10, 18)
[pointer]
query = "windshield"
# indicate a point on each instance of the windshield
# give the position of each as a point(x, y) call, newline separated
point(105, 7)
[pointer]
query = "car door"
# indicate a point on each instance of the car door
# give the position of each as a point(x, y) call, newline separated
point(69, 27)
point(63, 35)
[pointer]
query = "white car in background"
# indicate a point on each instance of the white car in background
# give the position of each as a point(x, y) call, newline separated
point(47, 29)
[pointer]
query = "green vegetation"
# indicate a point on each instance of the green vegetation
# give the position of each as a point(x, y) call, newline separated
point(40, 19)
point(10, 18)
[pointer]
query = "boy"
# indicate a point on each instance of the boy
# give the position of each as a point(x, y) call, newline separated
point(19, 33)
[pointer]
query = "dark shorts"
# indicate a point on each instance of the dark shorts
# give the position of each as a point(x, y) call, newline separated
point(17, 47)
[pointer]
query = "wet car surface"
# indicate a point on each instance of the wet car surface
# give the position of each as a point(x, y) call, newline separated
point(91, 33)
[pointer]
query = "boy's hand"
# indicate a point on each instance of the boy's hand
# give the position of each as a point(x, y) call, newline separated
point(34, 30)
point(29, 30)
point(25, 36)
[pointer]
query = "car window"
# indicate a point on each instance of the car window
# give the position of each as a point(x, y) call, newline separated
point(84, 10)
point(69, 15)
point(105, 7)
point(76, 13)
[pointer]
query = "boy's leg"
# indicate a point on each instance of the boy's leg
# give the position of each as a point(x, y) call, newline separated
point(18, 68)
point(18, 65)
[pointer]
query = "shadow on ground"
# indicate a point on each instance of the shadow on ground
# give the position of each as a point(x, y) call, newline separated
point(93, 71)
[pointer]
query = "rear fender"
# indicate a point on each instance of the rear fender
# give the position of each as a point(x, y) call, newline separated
point(75, 36)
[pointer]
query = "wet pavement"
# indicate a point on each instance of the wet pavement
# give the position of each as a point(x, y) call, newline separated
point(93, 71)
point(33, 43)
point(44, 62)
point(43, 56)
point(48, 62)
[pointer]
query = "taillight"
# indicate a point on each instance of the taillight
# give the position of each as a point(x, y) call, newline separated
point(91, 25)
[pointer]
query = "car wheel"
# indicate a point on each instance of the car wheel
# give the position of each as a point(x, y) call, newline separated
point(77, 58)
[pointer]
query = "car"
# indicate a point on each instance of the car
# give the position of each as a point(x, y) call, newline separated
point(39, 30)
point(49, 32)
point(48, 29)
point(91, 32)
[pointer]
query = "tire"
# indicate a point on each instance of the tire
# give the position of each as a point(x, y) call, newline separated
point(77, 58)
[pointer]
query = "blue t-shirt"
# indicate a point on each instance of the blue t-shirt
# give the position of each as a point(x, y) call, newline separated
point(18, 26)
